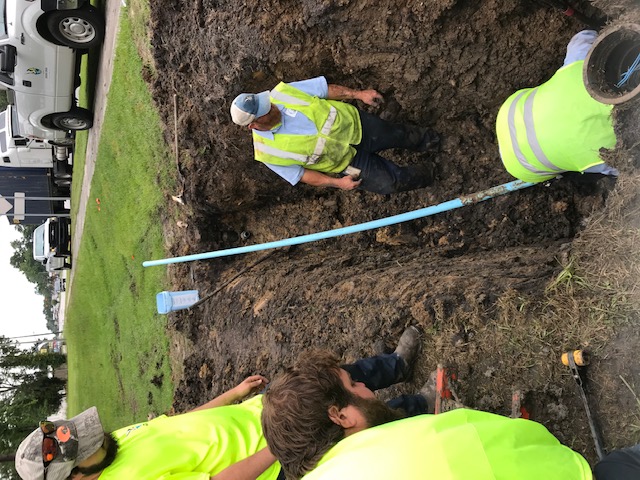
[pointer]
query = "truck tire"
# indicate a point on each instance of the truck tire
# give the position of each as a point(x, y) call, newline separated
point(82, 28)
point(75, 119)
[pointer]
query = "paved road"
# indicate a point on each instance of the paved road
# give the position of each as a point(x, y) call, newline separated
point(103, 82)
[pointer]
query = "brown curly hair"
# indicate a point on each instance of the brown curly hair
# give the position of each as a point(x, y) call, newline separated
point(295, 416)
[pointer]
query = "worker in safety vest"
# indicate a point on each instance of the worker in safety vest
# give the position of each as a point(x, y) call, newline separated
point(219, 440)
point(304, 133)
point(556, 127)
point(321, 425)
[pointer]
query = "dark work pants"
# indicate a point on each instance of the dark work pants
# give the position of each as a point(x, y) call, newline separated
point(383, 371)
point(623, 464)
point(378, 174)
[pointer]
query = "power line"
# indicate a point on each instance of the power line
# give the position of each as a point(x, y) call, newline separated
point(33, 335)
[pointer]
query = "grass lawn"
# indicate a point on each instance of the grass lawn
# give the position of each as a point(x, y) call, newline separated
point(117, 348)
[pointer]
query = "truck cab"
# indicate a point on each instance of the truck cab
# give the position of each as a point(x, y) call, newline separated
point(52, 243)
point(21, 151)
point(40, 43)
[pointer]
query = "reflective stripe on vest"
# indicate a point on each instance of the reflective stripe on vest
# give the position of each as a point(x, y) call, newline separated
point(531, 136)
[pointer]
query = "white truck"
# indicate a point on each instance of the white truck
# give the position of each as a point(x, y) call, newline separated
point(20, 151)
point(52, 244)
point(31, 171)
point(40, 46)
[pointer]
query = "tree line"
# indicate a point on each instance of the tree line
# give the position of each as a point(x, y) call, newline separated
point(29, 392)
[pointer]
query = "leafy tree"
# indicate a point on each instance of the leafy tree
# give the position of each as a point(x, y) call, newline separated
point(28, 394)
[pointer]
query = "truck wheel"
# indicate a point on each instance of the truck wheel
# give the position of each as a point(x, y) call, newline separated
point(82, 28)
point(75, 119)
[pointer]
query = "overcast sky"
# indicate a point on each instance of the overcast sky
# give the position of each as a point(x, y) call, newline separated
point(20, 307)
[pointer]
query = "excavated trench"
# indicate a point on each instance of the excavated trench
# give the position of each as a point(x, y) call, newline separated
point(448, 64)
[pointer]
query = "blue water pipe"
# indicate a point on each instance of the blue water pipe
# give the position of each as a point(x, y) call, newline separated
point(383, 222)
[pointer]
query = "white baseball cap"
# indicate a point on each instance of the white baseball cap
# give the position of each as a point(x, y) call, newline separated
point(246, 107)
point(77, 439)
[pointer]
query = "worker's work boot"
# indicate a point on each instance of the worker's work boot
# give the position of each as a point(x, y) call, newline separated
point(417, 176)
point(430, 141)
point(407, 349)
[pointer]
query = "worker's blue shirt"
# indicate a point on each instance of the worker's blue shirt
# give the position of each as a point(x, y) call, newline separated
point(579, 46)
point(296, 123)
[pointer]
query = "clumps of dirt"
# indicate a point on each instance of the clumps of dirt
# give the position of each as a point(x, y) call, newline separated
point(475, 280)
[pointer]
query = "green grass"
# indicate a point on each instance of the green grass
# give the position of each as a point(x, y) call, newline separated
point(118, 355)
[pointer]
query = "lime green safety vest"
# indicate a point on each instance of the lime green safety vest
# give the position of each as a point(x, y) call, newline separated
point(554, 128)
point(330, 150)
point(458, 445)
point(192, 446)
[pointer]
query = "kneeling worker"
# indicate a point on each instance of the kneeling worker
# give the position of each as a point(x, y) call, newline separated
point(556, 127)
point(304, 134)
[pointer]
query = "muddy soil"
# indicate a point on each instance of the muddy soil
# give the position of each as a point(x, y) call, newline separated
point(447, 64)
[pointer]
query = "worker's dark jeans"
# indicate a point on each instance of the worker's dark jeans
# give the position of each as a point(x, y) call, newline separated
point(623, 464)
point(378, 174)
point(383, 371)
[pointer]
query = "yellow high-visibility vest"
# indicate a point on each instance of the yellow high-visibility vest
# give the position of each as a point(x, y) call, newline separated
point(330, 150)
point(458, 445)
point(554, 128)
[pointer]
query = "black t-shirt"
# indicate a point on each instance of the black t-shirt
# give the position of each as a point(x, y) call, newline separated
point(619, 465)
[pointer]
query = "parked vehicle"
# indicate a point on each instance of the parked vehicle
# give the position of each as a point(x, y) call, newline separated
point(18, 150)
point(41, 42)
point(40, 46)
point(28, 184)
point(55, 345)
point(52, 244)
point(59, 285)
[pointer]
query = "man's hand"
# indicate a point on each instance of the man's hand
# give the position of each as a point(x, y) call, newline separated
point(348, 183)
point(319, 179)
point(370, 97)
point(249, 385)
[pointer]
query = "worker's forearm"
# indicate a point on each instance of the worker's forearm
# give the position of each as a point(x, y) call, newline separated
point(338, 92)
point(227, 398)
point(248, 469)
point(249, 385)
point(319, 179)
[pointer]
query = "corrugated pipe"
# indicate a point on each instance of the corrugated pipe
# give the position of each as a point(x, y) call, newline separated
point(383, 222)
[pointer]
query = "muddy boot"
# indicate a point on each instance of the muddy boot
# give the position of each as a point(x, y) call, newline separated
point(430, 141)
point(407, 349)
point(417, 176)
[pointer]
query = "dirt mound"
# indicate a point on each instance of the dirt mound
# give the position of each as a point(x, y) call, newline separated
point(448, 64)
